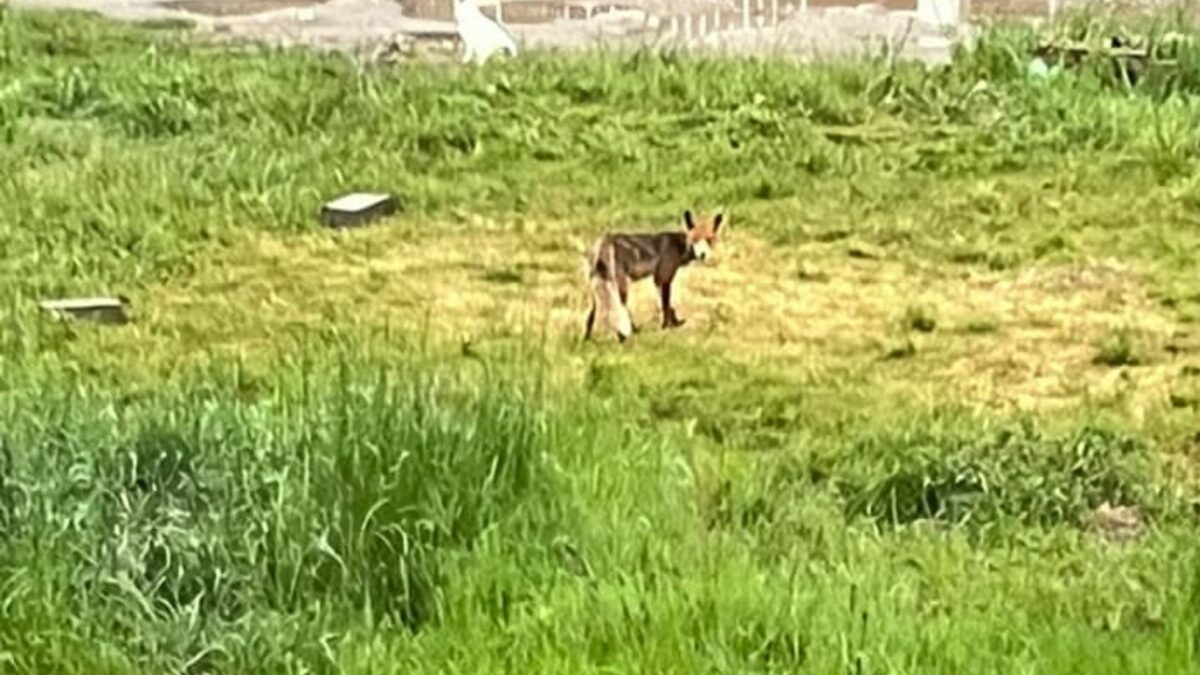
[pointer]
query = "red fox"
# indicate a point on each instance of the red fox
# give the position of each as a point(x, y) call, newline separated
point(616, 260)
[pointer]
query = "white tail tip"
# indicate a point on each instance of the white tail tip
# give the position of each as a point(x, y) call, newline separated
point(624, 325)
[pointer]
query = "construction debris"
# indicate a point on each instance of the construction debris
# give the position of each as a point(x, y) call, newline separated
point(1129, 62)
point(100, 310)
point(357, 209)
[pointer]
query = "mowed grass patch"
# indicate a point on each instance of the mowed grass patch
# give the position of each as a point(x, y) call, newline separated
point(512, 283)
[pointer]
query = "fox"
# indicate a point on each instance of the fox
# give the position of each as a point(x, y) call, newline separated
point(616, 260)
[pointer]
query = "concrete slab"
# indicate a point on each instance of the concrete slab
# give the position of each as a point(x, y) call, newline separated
point(99, 310)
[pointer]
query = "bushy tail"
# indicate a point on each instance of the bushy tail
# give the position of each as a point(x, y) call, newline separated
point(608, 302)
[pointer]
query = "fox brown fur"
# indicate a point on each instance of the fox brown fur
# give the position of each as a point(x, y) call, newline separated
point(617, 260)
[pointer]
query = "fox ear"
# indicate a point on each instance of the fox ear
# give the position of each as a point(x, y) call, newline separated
point(717, 220)
point(687, 220)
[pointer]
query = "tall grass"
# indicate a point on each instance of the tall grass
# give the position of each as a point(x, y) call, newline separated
point(168, 522)
point(348, 512)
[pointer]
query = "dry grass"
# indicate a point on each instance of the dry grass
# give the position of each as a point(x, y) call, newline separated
point(1051, 320)
point(814, 305)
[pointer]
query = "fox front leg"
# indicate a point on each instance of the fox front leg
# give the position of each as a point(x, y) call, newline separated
point(670, 318)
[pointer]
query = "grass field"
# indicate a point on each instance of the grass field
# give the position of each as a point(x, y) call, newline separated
point(953, 313)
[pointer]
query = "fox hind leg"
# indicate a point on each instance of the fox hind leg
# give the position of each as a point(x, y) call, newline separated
point(591, 323)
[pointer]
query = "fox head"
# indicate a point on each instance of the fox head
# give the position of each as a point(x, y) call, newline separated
point(701, 234)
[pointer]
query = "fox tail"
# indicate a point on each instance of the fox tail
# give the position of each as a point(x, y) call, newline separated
point(607, 301)
point(605, 297)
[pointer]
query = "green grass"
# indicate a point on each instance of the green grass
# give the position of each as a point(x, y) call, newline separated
point(874, 448)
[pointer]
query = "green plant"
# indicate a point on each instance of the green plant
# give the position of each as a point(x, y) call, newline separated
point(981, 326)
point(920, 319)
point(1118, 349)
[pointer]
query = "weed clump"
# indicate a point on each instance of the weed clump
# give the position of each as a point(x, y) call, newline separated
point(1118, 349)
point(1013, 475)
point(981, 326)
point(920, 319)
point(904, 350)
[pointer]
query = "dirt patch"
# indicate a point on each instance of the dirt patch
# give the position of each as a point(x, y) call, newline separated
point(223, 8)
